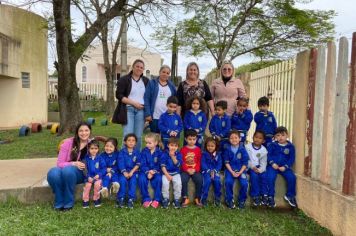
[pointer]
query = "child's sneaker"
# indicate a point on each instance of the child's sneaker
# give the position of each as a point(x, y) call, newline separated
point(104, 192)
point(256, 201)
point(146, 204)
point(198, 203)
point(97, 203)
point(85, 204)
point(204, 202)
point(264, 201)
point(130, 204)
point(291, 201)
point(185, 202)
point(271, 202)
point(155, 204)
point(217, 202)
point(230, 204)
point(120, 203)
point(165, 203)
point(115, 187)
point(176, 204)
point(241, 205)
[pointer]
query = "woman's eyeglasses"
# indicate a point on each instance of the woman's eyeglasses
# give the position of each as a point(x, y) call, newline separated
point(227, 69)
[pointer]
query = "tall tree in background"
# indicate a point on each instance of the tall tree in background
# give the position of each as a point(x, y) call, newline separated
point(226, 29)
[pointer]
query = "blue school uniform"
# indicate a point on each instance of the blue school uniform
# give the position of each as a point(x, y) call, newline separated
point(166, 161)
point(111, 162)
point(126, 162)
point(211, 162)
point(282, 155)
point(236, 157)
point(150, 161)
point(220, 126)
point(267, 123)
point(196, 121)
point(94, 166)
point(242, 123)
point(167, 123)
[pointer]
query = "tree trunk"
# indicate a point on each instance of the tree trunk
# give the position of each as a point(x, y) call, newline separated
point(68, 98)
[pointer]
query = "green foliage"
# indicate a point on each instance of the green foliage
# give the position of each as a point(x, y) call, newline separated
point(40, 219)
point(263, 28)
point(254, 66)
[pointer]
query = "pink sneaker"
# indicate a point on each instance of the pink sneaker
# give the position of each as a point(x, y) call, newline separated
point(146, 204)
point(155, 204)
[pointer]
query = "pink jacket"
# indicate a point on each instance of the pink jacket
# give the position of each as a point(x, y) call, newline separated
point(64, 153)
point(234, 88)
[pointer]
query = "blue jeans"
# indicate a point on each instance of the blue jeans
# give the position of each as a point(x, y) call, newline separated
point(63, 182)
point(135, 123)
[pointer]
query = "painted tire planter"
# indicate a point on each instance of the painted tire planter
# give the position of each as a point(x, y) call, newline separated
point(36, 128)
point(24, 131)
point(91, 121)
point(104, 122)
point(54, 128)
point(49, 126)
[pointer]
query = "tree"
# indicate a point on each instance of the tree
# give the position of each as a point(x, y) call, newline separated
point(226, 29)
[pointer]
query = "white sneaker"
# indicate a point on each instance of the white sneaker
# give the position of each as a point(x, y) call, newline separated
point(104, 192)
point(115, 187)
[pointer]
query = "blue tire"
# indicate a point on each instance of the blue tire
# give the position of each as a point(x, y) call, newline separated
point(24, 131)
point(91, 121)
point(104, 122)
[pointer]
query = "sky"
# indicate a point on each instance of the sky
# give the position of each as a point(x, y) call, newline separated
point(344, 26)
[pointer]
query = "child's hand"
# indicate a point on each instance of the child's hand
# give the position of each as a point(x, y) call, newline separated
point(152, 172)
point(96, 177)
point(282, 168)
point(275, 166)
point(109, 174)
point(237, 174)
point(197, 130)
point(126, 175)
point(191, 171)
point(108, 170)
point(169, 177)
point(149, 176)
point(256, 170)
point(212, 174)
point(90, 180)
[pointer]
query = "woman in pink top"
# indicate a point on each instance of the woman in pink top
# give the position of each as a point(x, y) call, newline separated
point(69, 170)
point(227, 87)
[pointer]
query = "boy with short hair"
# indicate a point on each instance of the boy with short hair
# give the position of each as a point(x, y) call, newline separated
point(170, 123)
point(280, 158)
point(265, 120)
point(191, 167)
point(220, 124)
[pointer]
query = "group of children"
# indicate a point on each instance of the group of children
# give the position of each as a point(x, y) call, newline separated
point(202, 161)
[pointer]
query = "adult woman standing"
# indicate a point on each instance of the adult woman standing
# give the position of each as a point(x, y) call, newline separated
point(130, 91)
point(193, 86)
point(227, 87)
point(69, 170)
point(157, 92)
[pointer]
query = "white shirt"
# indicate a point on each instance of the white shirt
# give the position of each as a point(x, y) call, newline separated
point(164, 92)
point(137, 91)
point(257, 157)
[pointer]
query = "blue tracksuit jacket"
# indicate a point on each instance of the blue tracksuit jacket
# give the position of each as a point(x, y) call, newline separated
point(95, 166)
point(220, 126)
point(127, 161)
point(267, 123)
point(211, 163)
point(281, 155)
point(150, 161)
point(111, 161)
point(237, 160)
point(242, 123)
point(195, 121)
point(170, 122)
point(167, 162)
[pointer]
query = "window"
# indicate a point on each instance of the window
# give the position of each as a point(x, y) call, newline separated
point(25, 77)
point(84, 74)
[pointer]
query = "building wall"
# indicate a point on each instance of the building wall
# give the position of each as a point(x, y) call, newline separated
point(94, 63)
point(23, 48)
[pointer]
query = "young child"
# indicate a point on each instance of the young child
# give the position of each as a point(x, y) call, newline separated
point(195, 118)
point(111, 177)
point(236, 161)
point(96, 169)
point(265, 120)
point(220, 124)
point(211, 165)
point(170, 124)
point(280, 158)
point(257, 168)
point(191, 167)
point(171, 161)
point(150, 170)
point(128, 164)
point(242, 118)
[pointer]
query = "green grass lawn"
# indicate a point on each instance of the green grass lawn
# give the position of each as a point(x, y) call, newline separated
point(44, 144)
point(40, 219)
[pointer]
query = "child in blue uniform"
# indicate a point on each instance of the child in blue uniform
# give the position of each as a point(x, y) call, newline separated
point(128, 165)
point(220, 124)
point(150, 170)
point(265, 120)
point(111, 177)
point(211, 165)
point(280, 158)
point(170, 124)
point(236, 161)
point(171, 161)
point(257, 168)
point(195, 118)
point(95, 170)
point(242, 118)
